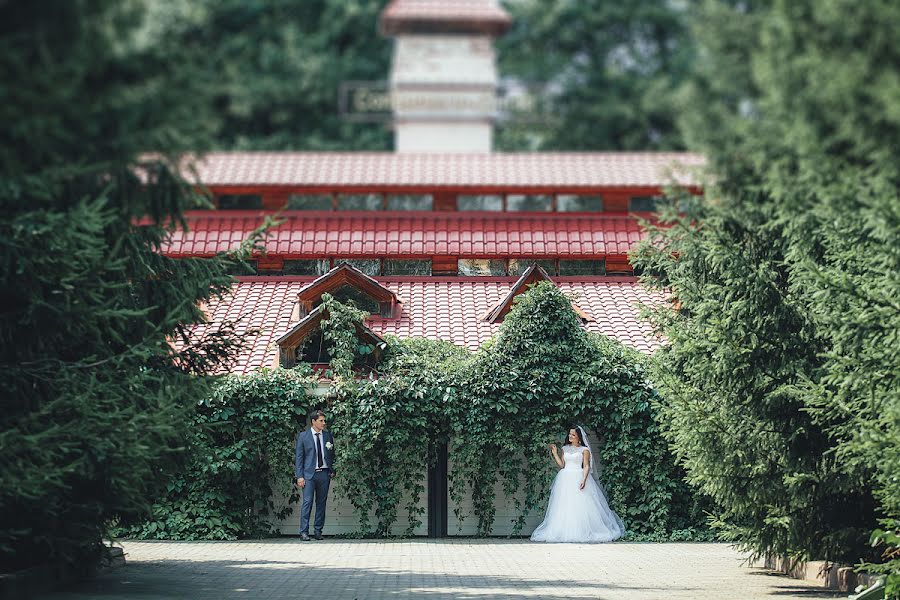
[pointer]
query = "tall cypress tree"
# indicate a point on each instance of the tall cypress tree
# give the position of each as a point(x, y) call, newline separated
point(98, 360)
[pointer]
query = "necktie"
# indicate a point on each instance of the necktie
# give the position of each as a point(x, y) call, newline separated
point(321, 462)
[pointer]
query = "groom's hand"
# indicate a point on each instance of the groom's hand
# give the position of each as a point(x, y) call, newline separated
point(301, 482)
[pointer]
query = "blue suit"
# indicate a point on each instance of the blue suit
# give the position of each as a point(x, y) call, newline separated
point(318, 480)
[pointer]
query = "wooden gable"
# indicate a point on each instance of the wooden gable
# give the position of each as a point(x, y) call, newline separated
point(344, 274)
point(532, 275)
point(294, 337)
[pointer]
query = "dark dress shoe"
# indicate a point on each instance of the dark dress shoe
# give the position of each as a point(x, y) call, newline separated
point(304, 537)
point(319, 536)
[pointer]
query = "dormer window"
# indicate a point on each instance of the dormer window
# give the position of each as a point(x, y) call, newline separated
point(532, 275)
point(305, 342)
point(348, 284)
point(347, 294)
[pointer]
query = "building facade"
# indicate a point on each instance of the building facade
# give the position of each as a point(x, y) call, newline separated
point(436, 239)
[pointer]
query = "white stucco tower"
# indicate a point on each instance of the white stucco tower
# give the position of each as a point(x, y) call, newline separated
point(443, 80)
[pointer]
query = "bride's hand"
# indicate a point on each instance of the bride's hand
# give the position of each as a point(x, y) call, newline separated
point(553, 448)
point(581, 487)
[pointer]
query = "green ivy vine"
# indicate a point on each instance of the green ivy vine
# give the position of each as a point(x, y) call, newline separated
point(543, 373)
point(241, 458)
point(497, 410)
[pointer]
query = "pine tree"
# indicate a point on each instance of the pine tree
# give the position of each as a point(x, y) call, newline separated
point(603, 75)
point(781, 375)
point(99, 365)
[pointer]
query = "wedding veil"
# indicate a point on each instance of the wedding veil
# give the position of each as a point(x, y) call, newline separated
point(587, 444)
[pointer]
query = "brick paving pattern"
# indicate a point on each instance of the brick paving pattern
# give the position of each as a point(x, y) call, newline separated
point(434, 569)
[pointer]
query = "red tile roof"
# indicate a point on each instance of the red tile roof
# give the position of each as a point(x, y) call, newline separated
point(446, 308)
point(551, 171)
point(370, 234)
point(476, 15)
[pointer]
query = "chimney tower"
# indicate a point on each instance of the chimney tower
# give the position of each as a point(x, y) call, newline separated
point(443, 80)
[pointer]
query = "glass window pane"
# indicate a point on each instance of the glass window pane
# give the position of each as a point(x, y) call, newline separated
point(314, 348)
point(248, 267)
point(309, 202)
point(410, 202)
point(305, 267)
point(582, 267)
point(575, 203)
point(494, 203)
point(407, 267)
point(347, 294)
point(481, 266)
point(643, 203)
point(519, 202)
point(359, 202)
point(517, 266)
point(369, 267)
point(240, 202)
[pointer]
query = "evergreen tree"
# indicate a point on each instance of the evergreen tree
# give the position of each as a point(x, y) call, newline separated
point(98, 364)
point(603, 74)
point(781, 378)
point(273, 69)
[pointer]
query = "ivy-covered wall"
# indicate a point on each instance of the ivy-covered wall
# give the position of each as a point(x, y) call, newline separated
point(497, 409)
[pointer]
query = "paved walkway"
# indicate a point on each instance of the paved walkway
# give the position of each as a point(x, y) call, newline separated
point(347, 569)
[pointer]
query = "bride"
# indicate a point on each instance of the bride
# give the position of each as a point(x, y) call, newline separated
point(578, 510)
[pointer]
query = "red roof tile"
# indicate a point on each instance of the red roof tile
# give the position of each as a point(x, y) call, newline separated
point(527, 170)
point(465, 15)
point(320, 234)
point(447, 308)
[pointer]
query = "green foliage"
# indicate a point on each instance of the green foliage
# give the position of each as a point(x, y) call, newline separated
point(603, 74)
point(340, 332)
point(242, 456)
point(543, 373)
point(781, 379)
point(95, 395)
point(390, 429)
point(271, 70)
point(498, 410)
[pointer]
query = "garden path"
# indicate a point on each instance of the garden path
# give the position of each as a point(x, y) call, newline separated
point(435, 569)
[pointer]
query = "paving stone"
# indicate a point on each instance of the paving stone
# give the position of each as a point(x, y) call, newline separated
point(435, 569)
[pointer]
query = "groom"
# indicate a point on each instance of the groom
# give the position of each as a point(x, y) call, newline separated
point(314, 468)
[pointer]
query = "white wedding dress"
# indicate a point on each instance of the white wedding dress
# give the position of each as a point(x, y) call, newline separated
point(576, 515)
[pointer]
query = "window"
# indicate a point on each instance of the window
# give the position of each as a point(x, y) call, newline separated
point(240, 202)
point(248, 267)
point(347, 294)
point(407, 267)
point(305, 267)
point(369, 267)
point(359, 202)
point(492, 203)
point(481, 266)
point(309, 202)
point(314, 349)
point(643, 203)
point(582, 267)
point(574, 203)
point(520, 202)
point(517, 266)
point(410, 202)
